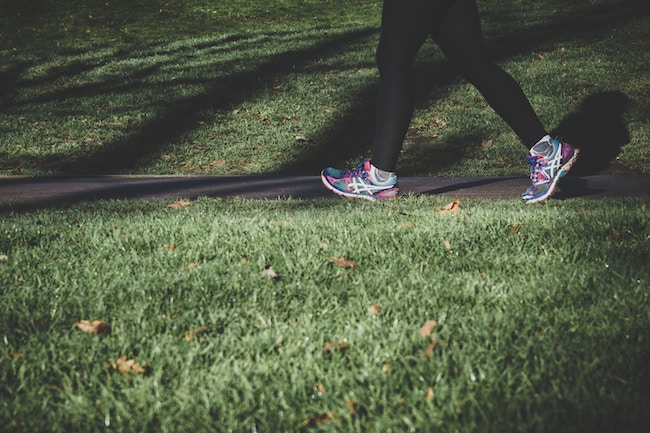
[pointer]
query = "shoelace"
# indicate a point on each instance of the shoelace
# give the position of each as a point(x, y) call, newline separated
point(536, 169)
point(360, 171)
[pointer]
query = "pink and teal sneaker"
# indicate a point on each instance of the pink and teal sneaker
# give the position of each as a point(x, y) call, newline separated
point(546, 171)
point(357, 183)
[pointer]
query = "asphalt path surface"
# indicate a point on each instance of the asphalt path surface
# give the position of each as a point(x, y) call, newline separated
point(68, 190)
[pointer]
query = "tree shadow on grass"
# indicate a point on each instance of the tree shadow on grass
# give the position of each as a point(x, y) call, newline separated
point(212, 77)
point(338, 141)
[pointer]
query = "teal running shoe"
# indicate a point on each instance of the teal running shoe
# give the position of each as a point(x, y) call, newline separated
point(546, 171)
point(357, 183)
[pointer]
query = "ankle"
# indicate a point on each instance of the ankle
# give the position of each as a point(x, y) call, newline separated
point(544, 147)
point(381, 176)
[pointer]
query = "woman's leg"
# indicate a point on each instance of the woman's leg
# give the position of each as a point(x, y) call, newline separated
point(405, 25)
point(460, 38)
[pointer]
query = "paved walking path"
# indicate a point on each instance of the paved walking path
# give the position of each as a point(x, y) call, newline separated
point(44, 190)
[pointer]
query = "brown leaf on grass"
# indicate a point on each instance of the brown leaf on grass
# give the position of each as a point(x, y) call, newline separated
point(270, 272)
point(374, 310)
point(453, 207)
point(218, 163)
point(486, 143)
point(429, 394)
point(515, 229)
point(179, 204)
point(96, 327)
point(447, 245)
point(192, 334)
point(329, 347)
point(318, 419)
point(190, 266)
point(351, 406)
point(343, 262)
point(16, 355)
point(127, 366)
point(430, 348)
point(427, 329)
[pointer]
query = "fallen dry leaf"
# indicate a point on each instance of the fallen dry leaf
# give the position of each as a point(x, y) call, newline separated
point(191, 266)
point(270, 272)
point(343, 262)
point(515, 229)
point(447, 245)
point(430, 348)
point(374, 309)
point(453, 207)
point(218, 163)
point(179, 204)
point(351, 406)
point(16, 355)
point(96, 327)
point(318, 419)
point(192, 334)
point(127, 366)
point(429, 394)
point(427, 328)
point(486, 143)
point(330, 346)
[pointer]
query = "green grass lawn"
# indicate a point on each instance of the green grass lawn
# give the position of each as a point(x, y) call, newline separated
point(232, 315)
point(542, 316)
point(241, 87)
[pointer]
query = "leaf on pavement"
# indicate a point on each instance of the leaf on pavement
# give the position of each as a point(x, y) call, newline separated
point(96, 327)
point(427, 328)
point(453, 207)
point(343, 262)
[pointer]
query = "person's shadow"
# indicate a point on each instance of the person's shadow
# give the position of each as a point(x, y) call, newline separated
point(598, 129)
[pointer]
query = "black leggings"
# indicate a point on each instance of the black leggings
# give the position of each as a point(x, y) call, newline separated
point(454, 25)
